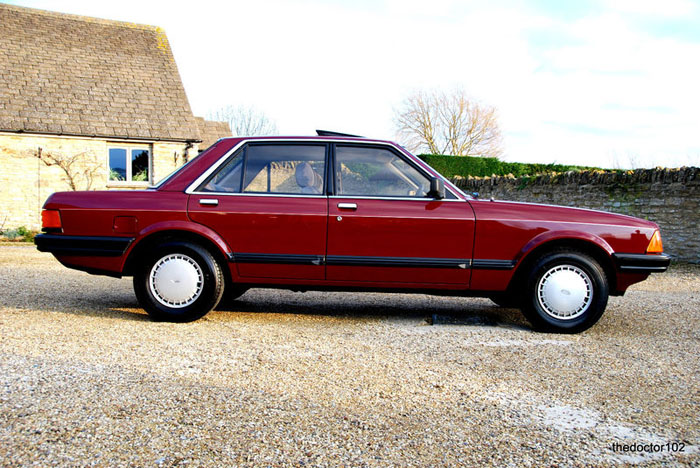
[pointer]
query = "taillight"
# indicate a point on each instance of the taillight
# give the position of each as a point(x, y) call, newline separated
point(655, 244)
point(50, 220)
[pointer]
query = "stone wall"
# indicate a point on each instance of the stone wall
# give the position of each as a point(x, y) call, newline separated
point(669, 197)
point(26, 182)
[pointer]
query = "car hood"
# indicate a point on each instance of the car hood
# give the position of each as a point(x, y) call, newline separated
point(509, 210)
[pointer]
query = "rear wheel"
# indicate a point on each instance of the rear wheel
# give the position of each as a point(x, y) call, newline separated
point(179, 282)
point(566, 292)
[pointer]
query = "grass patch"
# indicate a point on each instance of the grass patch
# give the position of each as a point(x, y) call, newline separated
point(20, 234)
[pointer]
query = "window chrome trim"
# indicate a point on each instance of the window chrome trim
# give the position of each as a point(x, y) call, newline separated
point(316, 196)
point(365, 197)
point(190, 190)
point(253, 194)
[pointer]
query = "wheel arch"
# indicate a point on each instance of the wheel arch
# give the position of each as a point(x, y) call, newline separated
point(595, 247)
point(214, 244)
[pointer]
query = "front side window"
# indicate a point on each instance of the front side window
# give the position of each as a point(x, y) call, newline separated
point(271, 169)
point(377, 172)
point(129, 164)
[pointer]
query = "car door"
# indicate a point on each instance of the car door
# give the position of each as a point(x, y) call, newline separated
point(384, 228)
point(268, 202)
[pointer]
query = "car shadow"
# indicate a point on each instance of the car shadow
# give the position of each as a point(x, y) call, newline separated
point(116, 306)
point(433, 310)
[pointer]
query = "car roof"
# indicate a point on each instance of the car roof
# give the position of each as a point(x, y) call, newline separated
point(354, 139)
point(180, 180)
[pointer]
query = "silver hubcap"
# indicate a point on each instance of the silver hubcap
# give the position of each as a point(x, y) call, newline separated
point(565, 292)
point(176, 280)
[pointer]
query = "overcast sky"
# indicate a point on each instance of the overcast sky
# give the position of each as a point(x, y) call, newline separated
point(613, 83)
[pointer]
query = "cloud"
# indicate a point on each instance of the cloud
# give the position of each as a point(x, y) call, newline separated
point(609, 88)
point(666, 8)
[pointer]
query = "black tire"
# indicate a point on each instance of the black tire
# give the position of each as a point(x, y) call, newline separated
point(565, 292)
point(507, 300)
point(199, 279)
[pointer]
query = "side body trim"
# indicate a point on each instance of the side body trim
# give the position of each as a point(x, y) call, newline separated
point(487, 264)
point(286, 259)
point(349, 260)
point(412, 262)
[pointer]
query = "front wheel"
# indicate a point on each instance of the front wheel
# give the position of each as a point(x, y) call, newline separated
point(566, 292)
point(179, 282)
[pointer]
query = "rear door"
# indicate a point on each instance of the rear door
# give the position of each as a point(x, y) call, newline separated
point(268, 202)
point(383, 227)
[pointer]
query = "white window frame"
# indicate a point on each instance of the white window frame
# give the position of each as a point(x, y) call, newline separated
point(129, 147)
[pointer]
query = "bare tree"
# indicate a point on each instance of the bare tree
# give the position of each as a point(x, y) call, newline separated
point(78, 168)
point(440, 122)
point(245, 121)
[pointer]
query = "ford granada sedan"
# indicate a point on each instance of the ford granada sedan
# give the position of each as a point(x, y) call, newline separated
point(339, 213)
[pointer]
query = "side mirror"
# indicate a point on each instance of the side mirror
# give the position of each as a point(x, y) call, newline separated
point(437, 188)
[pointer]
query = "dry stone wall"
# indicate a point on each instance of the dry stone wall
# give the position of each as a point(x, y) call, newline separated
point(669, 197)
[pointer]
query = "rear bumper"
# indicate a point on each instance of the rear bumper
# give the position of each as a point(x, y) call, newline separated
point(642, 263)
point(85, 246)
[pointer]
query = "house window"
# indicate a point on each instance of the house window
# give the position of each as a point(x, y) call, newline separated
point(129, 164)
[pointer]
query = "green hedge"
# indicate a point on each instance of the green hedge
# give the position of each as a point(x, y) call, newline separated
point(450, 166)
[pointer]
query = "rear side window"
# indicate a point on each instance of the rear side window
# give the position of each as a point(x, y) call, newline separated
point(272, 169)
point(228, 178)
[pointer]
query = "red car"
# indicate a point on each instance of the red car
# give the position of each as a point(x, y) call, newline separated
point(342, 213)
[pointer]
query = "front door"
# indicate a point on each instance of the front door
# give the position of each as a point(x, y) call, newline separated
point(383, 227)
point(268, 202)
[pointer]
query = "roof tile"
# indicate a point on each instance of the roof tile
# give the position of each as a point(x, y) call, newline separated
point(211, 131)
point(55, 67)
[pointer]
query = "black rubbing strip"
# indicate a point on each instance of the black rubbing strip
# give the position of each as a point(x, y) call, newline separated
point(351, 260)
point(287, 259)
point(412, 262)
point(487, 264)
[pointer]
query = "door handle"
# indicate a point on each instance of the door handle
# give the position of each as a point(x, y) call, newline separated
point(347, 206)
point(209, 201)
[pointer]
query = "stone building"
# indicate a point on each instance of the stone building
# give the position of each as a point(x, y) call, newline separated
point(87, 104)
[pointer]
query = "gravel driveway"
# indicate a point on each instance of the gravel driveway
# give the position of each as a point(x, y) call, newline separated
point(328, 379)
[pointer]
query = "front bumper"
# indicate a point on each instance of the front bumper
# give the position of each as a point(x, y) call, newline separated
point(642, 263)
point(85, 246)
